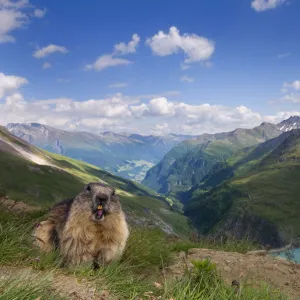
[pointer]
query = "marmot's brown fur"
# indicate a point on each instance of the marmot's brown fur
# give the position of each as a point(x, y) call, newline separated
point(89, 228)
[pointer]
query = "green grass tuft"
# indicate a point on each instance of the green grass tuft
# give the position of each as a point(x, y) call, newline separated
point(25, 288)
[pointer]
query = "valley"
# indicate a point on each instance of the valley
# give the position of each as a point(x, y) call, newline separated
point(254, 193)
point(126, 155)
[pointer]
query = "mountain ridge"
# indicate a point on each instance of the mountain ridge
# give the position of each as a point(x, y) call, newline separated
point(259, 198)
point(176, 172)
point(108, 150)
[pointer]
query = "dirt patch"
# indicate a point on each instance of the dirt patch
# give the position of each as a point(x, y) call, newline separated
point(248, 269)
point(16, 206)
point(65, 285)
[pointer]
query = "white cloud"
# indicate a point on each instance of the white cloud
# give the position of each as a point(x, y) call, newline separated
point(112, 60)
point(161, 129)
point(161, 107)
point(123, 113)
point(291, 97)
point(122, 48)
point(291, 91)
point(280, 116)
point(292, 85)
point(106, 61)
point(39, 13)
point(9, 21)
point(46, 65)
point(185, 78)
point(184, 67)
point(13, 15)
point(262, 5)
point(50, 49)
point(11, 4)
point(10, 83)
point(194, 47)
point(117, 85)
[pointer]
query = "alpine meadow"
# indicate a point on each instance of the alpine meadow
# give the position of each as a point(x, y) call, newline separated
point(149, 150)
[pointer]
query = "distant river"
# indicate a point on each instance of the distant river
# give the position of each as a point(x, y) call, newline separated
point(295, 255)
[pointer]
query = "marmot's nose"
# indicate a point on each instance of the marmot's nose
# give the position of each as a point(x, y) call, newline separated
point(101, 200)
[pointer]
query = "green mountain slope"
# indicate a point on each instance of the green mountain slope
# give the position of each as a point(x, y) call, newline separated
point(37, 177)
point(261, 197)
point(129, 156)
point(186, 164)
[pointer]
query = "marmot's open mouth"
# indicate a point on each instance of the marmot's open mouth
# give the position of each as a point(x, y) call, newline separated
point(99, 215)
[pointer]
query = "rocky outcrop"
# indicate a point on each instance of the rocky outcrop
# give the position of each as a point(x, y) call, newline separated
point(248, 269)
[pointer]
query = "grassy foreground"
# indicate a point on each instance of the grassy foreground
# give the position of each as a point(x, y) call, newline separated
point(138, 275)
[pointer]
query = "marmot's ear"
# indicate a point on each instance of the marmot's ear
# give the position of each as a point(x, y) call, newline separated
point(87, 188)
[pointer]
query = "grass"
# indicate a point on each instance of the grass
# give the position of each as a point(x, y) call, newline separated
point(137, 275)
point(28, 289)
point(204, 283)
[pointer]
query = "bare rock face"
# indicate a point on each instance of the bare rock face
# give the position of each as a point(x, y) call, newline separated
point(249, 269)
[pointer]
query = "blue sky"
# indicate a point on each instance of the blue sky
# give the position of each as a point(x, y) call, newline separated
point(215, 65)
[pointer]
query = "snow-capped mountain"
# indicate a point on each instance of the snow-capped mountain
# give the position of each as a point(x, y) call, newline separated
point(289, 124)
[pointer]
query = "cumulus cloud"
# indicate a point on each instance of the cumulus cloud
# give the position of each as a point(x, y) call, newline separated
point(10, 83)
point(195, 48)
point(262, 5)
point(106, 61)
point(292, 85)
point(10, 20)
point(46, 65)
point(280, 116)
point(161, 129)
point(124, 113)
point(13, 15)
point(112, 60)
point(39, 13)
point(50, 49)
point(185, 78)
point(122, 48)
point(117, 85)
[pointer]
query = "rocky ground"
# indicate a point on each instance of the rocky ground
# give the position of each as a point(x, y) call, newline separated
point(65, 285)
point(251, 269)
point(17, 206)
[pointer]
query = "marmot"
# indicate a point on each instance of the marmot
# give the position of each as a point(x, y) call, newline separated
point(88, 228)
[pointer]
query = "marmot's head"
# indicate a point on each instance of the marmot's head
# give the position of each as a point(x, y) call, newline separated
point(104, 200)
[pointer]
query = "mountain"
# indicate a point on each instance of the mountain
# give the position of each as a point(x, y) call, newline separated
point(255, 193)
point(40, 178)
point(129, 156)
point(289, 124)
point(187, 163)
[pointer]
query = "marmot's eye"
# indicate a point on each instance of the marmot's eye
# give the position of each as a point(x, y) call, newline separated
point(88, 188)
